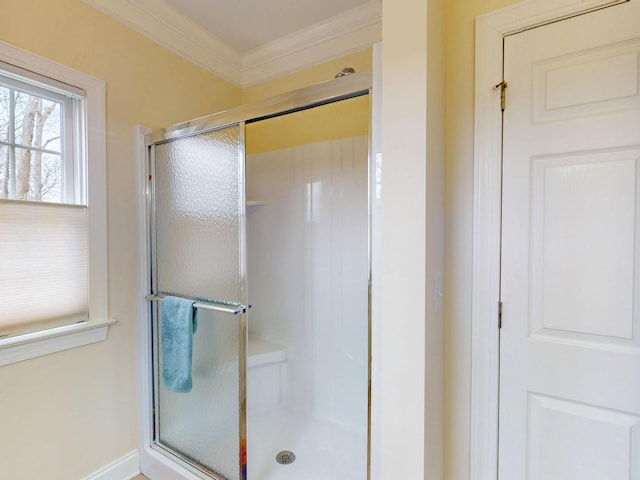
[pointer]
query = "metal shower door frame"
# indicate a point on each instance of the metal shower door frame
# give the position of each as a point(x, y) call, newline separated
point(341, 88)
point(239, 310)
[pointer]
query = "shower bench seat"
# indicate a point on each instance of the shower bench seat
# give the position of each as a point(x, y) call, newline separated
point(262, 352)
point(265, 375)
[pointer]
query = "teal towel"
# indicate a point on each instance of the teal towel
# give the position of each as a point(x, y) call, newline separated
point(178, 324)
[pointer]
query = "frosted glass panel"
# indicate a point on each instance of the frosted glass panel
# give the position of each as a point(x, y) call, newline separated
point(196, 235)
point(202, 425)
point(198, 217)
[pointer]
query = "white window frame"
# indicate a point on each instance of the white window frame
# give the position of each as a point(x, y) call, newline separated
point(68, 151)
point(22, 347)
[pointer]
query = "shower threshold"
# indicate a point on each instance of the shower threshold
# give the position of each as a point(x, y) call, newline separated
point(324, 450)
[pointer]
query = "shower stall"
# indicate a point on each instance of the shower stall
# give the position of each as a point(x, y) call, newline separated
point(260, 218)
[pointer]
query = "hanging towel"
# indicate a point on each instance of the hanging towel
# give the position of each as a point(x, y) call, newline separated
point(178, 324)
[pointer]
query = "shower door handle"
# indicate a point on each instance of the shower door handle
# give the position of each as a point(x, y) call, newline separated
point(231, 309)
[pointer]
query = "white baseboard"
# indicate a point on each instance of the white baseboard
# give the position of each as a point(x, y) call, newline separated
point(125, 468)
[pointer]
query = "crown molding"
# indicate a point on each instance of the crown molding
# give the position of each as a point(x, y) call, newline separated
point(355, 30)
point(259, 70)
point(350, 32)
point(174, 31)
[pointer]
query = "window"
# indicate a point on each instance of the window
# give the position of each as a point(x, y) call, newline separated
point(38, 132)
point(53, 283)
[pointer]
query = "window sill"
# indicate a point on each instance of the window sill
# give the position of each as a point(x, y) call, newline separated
point(31, 345)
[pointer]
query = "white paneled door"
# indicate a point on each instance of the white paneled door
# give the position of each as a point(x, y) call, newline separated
point(570, 287)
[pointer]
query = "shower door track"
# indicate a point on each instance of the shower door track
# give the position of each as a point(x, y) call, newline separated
point(341, 88)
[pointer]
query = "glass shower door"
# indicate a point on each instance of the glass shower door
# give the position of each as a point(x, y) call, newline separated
point(197, 245)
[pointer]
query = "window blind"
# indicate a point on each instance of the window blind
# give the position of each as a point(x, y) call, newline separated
point(43, 266)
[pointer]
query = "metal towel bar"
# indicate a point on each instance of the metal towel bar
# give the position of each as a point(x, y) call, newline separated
point(232, 309)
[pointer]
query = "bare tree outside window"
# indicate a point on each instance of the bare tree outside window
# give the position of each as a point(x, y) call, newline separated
point(30, 147)
point(4, 136)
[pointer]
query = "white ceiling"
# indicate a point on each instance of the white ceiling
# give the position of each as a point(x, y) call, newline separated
point(251, 41)
point(248, 24)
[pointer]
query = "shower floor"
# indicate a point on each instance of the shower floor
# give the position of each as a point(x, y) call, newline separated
point(324, 450)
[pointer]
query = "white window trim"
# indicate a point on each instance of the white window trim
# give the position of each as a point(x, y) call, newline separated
point(35, 344)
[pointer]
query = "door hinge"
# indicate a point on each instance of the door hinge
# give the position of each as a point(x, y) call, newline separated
point(502, 86)
point(499, 314)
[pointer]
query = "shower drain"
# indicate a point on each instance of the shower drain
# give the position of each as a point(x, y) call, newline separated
point(285, 457)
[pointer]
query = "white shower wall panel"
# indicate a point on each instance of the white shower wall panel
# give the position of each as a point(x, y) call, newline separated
point(308, 272)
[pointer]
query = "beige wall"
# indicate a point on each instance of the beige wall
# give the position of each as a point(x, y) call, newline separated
point(65, 415)
point(74, 411)
point(460, 53)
